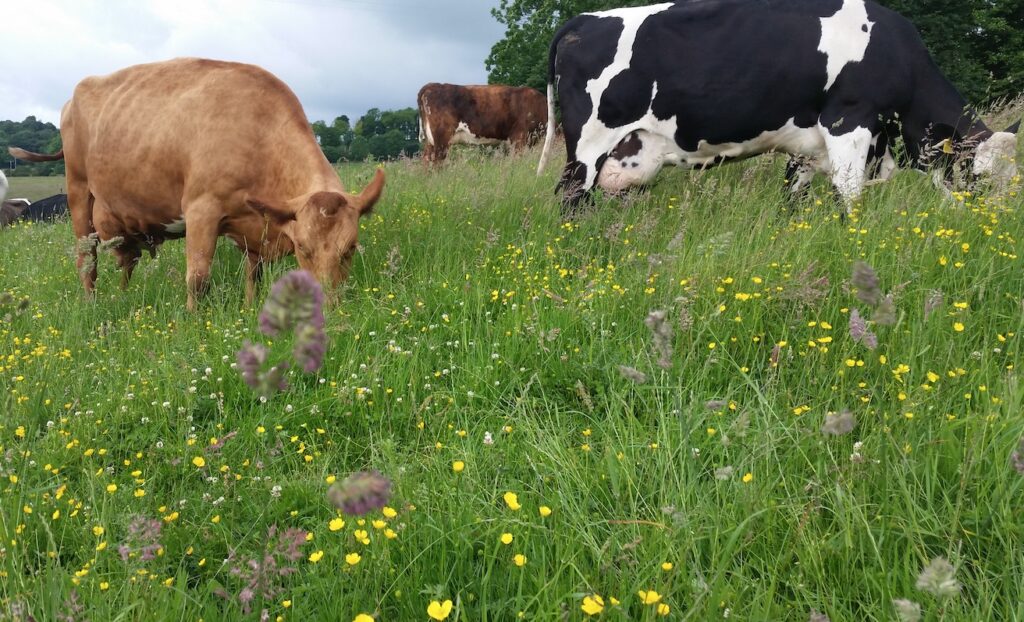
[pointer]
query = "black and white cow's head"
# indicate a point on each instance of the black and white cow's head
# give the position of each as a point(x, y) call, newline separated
point(635, 161)
point(995, 157)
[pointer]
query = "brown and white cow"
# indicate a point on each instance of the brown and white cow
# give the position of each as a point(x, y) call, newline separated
point(199, 148)
point(478, 115)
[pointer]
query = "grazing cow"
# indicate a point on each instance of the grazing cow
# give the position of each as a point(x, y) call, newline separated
point(478, 115)
point(47, 210)
point(698, 83)
point(12, 210)
point(199, 148)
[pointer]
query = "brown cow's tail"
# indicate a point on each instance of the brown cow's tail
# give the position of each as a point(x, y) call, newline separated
point(21, 154)
point(549, 135)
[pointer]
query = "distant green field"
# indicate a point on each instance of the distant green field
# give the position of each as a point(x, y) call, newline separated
point(484, 347)
point(35, 188)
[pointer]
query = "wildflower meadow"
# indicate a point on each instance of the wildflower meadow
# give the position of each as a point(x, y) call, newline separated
point(700, 401)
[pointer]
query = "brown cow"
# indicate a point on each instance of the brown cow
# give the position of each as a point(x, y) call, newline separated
point(202, 148)
point(478, 115)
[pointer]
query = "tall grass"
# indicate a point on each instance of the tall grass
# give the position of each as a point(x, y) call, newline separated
point(473, 311)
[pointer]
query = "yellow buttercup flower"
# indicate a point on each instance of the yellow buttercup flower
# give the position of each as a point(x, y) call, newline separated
point(458, 466)
point(512, 501)
point(649, 597)
point(506, 538)
point(439, 611)
point(316, 556)
point(519, 560)
point(353, 558)
point(545, 511)
point(592, 605)
point(363, 617)
point(199, 461)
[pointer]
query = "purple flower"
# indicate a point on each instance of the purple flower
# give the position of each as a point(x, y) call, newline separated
point(263, 575)
point(143, 539)
point(361, 493)
point(859, 331)
point(1017, 457)
point(295, 299)
point(866, 282)
point(251, 358)
point(310, 347)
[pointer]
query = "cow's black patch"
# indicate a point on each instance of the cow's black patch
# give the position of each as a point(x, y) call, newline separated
point(730, 70)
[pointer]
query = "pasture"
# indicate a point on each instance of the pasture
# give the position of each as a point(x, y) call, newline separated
point(35, 188)
point(476, 351)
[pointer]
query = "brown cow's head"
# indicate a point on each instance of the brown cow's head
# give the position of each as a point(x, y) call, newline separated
point(324, 228)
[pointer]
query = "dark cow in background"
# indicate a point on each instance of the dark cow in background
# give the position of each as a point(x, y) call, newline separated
point(12, 210)
point(43, 210)
point(47, 210)
point(478, 115)
point(698, 83)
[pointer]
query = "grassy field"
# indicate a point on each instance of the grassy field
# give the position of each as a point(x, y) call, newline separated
point(35, 188)
point(479, 331)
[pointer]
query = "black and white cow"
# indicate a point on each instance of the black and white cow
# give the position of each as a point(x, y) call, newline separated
point(3, 186)
point(696, 83)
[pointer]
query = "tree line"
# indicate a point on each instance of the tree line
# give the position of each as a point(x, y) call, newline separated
point(978, 44)
point(377, 135)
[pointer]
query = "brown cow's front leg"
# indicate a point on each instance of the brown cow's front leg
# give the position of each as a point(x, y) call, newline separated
point(253, 273)
point(202, 226)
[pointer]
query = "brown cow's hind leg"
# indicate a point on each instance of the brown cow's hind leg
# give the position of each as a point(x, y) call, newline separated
point(80, 203)
point(202, 226)
point(128, 256)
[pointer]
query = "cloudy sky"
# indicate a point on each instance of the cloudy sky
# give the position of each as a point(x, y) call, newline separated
point(339, 56)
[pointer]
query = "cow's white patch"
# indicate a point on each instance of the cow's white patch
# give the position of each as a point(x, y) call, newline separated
point(178, 226)
point(596, 138)
point(848, 157)
point(3, 186)
point(425, 126)
point(464, 136)
point(659, 148)
point(844, 37)
point(994, 157)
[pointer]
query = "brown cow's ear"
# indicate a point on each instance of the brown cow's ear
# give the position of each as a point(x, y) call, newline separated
point(368, 197)
point(275, 213)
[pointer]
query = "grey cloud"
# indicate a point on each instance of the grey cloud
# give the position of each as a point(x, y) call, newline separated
point(339, 56)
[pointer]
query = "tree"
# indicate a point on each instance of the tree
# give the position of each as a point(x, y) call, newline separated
point(33, 135)
point(384, 135)
point(521, 58)
point(978, 44)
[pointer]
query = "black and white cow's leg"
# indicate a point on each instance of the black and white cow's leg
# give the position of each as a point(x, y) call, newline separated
point(848, 156)
point(799, 174)
point(573, 186)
